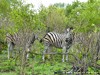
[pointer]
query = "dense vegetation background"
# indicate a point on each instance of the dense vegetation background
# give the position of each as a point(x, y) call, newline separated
point(16, 16)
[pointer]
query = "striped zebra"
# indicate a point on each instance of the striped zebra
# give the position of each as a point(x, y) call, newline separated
point(63, 41)
point(16, 40)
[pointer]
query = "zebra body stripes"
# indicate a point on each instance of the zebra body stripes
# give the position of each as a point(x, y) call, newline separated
point(57, 40)
point(16, 39)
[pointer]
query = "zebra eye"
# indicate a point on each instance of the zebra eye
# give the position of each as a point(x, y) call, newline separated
point(66, 40)
point(71, 28)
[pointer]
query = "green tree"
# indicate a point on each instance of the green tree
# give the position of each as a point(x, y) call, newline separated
point(53, 17)
point(85, 17)
point(60, 5)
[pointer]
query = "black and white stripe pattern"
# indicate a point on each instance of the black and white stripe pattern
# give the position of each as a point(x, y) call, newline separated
point(57, 40)
point(16, 39)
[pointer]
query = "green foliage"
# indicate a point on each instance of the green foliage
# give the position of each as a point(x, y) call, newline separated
point(7, 65)
point(70, 8)
point(22, 17)
point(49, 68)
point(84, 16)
point(60, 5)
point(8, 73)
point(56, 19)
point(4, 12)
point(4, 7)
point(16, 16)
point(98, 62)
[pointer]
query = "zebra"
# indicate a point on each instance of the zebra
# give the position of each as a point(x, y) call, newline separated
point(63, 41)
point(15, 39)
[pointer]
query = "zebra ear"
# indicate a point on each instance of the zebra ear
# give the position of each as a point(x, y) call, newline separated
point(69, 29)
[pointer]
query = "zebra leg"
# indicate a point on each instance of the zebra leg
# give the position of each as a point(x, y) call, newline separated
point(49, 51)
point(66, 55)
point(63, 55)
point(67, 51)
point(45, 50)
point(28, 49)
point(27, 54)
point(13, 51)
point(10, 50)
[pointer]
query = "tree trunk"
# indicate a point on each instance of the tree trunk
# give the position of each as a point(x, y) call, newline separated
point(23, 62)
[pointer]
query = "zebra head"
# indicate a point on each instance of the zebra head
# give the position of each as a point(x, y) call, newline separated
point(69, 36)
point(69, 32)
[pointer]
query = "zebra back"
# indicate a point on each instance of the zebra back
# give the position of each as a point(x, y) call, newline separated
point(57, 39)
point(11, 38)
point(18, 38)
